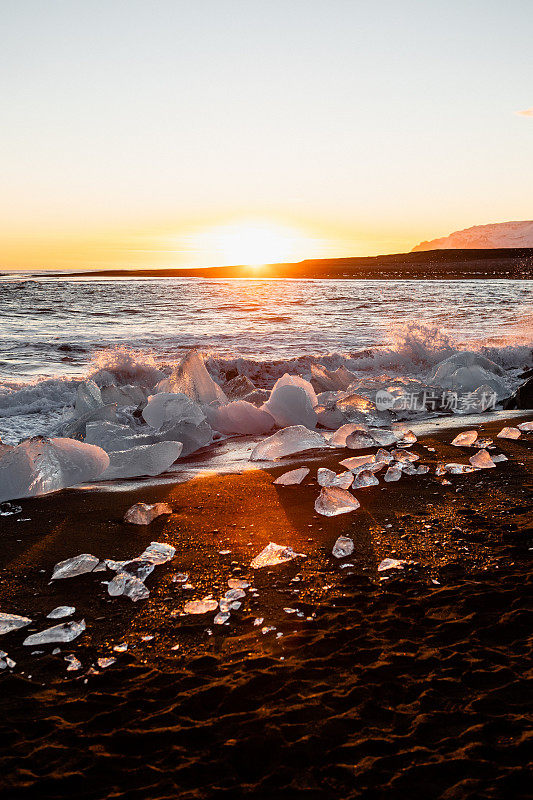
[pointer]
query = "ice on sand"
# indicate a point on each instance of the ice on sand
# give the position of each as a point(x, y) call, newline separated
point(290, 405)
point(192, 378)
point(9, 509)
point(240, 417)
point(507, 433)
point(238, 583)
point(288, 441)
point(74, 663)
point(172, 407)
point(127, 585)
point(65, 632)
point(363, 479)
point(384, 456)
point(106, 662)
point(12, 622)
point(333, 501)
point(144, 513)
point(458, 469)
point(150, 459)
point(327, 477)
point(131, 575)
point(465, 439)
point(525, 426)
point(383, 437)
point(40, 465)
point(391, 563)
point(60, 612)
point(77, 565)
point(274, 554)
point(500, 457)
point(405, 455)
point(292, 477)
point(343, 547)
point(359, 440)
point(482, 460)
point(339, 437)
point(392, 474)
point(354, 464)
point(200, 606)
point(221, 617)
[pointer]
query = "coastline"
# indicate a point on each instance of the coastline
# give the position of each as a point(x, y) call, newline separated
point(366, 643)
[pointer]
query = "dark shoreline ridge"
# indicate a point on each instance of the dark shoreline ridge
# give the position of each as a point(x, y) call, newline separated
point(514, 263)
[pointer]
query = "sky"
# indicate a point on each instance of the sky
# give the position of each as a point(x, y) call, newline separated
point(169, 133)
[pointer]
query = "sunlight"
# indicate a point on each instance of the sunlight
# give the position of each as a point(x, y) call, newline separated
point(251, 243)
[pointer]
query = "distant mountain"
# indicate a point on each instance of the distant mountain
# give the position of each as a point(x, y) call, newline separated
point(484, 237)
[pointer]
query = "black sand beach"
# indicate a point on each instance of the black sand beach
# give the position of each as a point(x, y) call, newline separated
point(407, 683)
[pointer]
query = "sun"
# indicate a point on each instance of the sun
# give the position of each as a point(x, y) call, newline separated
point(251, 244)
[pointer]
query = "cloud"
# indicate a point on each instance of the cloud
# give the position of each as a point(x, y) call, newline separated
point(527, 113)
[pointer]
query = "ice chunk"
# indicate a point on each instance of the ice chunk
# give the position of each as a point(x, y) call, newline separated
point(483, 443)
point(505, 433)
point(272, 555)
point(200, 606)
point(74, 663)
point(77, 428)
point(326, 477)
point(221, 617)
point(88, 398)
point(128, 585)
point(257, 397)
point(526, 426)
point(465, 439)
point(343, 547)
point(339, 437)
point(192, 378)
point(423, 469)
point(352, 404)
point(292, 477)
point(363, 479)
point(235, 594)
point(158, 553)
point(290, 405)
point(172, 407)
point(149, 459)
point(458, 469)
point(392, 474)
point(297, 380)
point(105, 662)
point(359, 441)
point(327, 380)
point(38, 466)
point(405, 455)
point(328, 417)
point(111, 436)
point(192, 436)
point(295, 439)
point(238, 583)
point(61, 611)
point(498, 458)
point(482, 460)
point(144, 513)
point(240, 417)
point(384, 456)
point(12, 622)
point(77, 565)
point(383, 437)
point(126, 396)
point(65, 632)
point(333, 501)
point(238, 387)
point(357, 462)
point(391, 563)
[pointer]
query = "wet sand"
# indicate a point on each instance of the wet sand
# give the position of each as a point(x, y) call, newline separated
point(404, 684)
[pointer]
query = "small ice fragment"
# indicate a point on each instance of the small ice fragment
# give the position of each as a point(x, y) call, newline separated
point(465, 439)
point(357, 462)
point(363, 479)
point(61, 611)
point(440, 469)
point(482, 460)
point(238, 583)
point(235, 594)
point(12, 622)
point(526, 426)
point(224, 552)
point(200, 606)
point(327, 477)
point(500, 457)
point(338, 439)
point(121, 648)
point(483, 443)
point(73, 663)
point(175, 647)
point(358, 440)
point(272, 555)
point(423, 469)
point(286, 442)
point(391, 563)
point(458, 469)
point(333, 501)
point(290, 610)
point(383, 437)
point(235, 605)
point(384, 455)
point(7, 509)
point(78, 565)
point(408, 437)
point(221, 617)
point(404, 455)
point(106, 662)
point(267, 629)
point(180, 577)
point(392, 474)
point(343, 547)
point(292, 477)
point(65, 632)
point(128, 585)
point(144, 513)
point(509, 433)
point(258, 621)
point(147, 638)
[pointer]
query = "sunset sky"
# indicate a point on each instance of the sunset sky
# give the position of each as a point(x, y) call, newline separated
point(173, 133)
